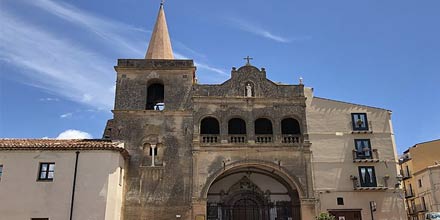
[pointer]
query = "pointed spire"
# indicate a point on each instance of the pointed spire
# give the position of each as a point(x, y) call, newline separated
point(160, 44)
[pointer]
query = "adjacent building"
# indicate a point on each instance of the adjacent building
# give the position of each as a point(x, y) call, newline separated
point(61, 179)
point(420, 169)
point(247, 149)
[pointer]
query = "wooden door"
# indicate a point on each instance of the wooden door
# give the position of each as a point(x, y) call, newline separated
point(346, 215)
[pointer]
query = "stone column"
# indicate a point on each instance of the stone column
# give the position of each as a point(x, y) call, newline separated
point(308, 209)
point(199, 209)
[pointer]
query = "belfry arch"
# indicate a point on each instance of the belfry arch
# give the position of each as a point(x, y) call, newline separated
point(252, 191)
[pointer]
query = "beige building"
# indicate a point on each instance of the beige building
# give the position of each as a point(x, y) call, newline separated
point(245, 149)
point(353, 163)
point(420, 168)
point(61, 179)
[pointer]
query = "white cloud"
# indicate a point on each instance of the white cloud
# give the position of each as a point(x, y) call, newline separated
point(48, 99)
point(74, 134)
point(251, 28)
point(67, 115)
point(62, 65)
point(202, 65)
point(109, 30)
point(45, 64)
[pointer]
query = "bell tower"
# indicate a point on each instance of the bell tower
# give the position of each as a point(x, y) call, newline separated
point(152, 116)
point(157, 82)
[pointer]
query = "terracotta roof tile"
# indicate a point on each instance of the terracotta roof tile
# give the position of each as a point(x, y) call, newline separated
point(59, 145)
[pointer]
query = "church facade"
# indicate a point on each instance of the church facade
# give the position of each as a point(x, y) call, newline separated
point(245, 149)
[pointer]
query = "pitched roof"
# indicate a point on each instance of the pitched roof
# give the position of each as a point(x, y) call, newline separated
point(160, 44)
point(61, 145)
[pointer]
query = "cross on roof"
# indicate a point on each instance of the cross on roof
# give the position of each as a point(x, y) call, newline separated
point(248, 58)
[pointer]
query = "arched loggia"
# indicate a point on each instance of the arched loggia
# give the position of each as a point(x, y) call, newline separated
point(209, 130)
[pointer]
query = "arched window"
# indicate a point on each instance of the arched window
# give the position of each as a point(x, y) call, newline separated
point(290, 131)
point(237, 130)
point(209, 130)
point(209, 125)
point(236, 126)
point(155, 97)
point(263, 126)
point(290, 126)
point(263, 130)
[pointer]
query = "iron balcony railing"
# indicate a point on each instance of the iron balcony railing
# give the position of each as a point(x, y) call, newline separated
point(368, 154)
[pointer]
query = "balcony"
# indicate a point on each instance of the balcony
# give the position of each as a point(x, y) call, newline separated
point(420, 208)
point(357, 186)
point(291, 139)
point(406, 175)
point(263, 139)
point(237, 138)
point(210, 138)
point(361, 128)
point(364, 156)
point(409, 194)
point(257, 140)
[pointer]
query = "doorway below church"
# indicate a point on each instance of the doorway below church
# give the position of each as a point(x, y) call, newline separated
point(346, 214)
point(252, 194)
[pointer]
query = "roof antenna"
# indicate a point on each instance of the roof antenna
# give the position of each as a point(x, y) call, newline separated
point(162, 2)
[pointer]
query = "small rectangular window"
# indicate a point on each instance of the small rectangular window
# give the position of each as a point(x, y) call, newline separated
point(367, 177)
point(340, 200)
point(1, 171)
point(359, 121)
point(363, 149)
point(46, 171)
point(420, 183)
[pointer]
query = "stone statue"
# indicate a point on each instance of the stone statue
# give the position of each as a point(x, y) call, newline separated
point(248, 90)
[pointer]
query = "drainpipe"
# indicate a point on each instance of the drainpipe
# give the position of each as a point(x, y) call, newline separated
point(74, 184)
point(433, 185)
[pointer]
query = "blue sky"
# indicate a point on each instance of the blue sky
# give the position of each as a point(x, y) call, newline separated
point(57, 57)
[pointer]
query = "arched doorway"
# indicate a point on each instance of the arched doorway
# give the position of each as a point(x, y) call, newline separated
point(252, 193)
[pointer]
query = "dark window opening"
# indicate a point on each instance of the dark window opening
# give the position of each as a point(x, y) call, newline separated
point(1, 171)
point(46, 171)
point(359, 121)
point(367, 177)
point(263, 126)
point(236, 126)
point(363, 149)
point(420, 183)
point(340, 200)
point(290, 126)
point(423, 203)
point(153, 150)
point(209, 125)
point(155, 97)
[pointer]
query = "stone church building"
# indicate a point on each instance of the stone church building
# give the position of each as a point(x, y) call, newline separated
point(245, 149)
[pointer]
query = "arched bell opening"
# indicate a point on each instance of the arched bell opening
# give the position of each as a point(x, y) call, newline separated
point(252, 193)
point(155, 97)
